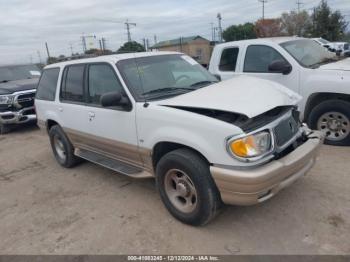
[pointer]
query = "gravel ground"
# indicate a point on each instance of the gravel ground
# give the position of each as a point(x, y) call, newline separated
point(46, 209)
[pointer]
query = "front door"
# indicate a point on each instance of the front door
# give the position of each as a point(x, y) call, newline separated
point(257, 61)
point(111, 131)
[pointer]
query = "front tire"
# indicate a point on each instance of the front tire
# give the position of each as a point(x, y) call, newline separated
point(333, 118)
point(62, 148)
point(187, 188)
point(4, 129)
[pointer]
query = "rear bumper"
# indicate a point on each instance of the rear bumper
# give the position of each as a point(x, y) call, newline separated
point(18, 117)
point(249, 187)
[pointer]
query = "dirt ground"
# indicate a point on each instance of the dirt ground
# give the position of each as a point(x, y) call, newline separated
point(46, 209)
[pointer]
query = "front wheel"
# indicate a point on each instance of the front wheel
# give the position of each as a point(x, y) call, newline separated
point(333, 118)
point(187, 188)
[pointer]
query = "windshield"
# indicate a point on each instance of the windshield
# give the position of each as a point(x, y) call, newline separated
point(308, 53)
point(323, 41)
point(163, 75)
point(10, 73)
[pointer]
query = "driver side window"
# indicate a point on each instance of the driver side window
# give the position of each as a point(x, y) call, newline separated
point(259, 57)
point(102, 79)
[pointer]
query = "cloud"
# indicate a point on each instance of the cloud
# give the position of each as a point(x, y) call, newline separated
point(27, 25)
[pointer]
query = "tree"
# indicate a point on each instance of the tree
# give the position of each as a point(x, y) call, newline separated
point(327, 24)
point(239, 32)
point(295, 23)
point(131, 47)
point(268, 27)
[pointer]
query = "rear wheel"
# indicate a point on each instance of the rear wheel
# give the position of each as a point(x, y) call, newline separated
point(62, 148)
point(333, 118)
point(187, 188)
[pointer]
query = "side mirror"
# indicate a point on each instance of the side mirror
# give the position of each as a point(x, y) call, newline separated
point(280, 66)
point(113, 99)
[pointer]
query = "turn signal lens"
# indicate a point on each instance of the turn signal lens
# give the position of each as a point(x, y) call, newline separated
point(251, 146)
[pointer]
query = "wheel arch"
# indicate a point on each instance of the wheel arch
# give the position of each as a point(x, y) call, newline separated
point(162, 148)
point(317, 98)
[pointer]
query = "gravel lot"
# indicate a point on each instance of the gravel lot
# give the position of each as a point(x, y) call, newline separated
point(46, 209)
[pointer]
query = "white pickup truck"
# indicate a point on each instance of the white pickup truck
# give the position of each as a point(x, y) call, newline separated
point(319, 76)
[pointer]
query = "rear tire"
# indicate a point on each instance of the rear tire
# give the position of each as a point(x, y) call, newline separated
point(62, 148)
point(187, 188)
point(333, 118)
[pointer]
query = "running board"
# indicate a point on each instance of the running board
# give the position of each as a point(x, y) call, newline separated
point(113, 164)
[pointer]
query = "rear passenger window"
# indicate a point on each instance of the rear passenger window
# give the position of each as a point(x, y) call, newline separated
point(47, 86)
point(72, 88)
point(259, 57)
point(102, 80)
point(228, 59)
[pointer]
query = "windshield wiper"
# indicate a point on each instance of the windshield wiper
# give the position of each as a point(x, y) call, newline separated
point(4, 81)
point(168, 90)
point(200, 83)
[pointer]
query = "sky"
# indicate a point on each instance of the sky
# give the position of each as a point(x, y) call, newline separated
point(27, 24)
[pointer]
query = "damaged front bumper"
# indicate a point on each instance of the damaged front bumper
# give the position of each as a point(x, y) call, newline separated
point(255, 185)
point(22, 116)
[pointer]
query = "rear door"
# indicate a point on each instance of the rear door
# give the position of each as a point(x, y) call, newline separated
point(226, 64)
point(72, 103)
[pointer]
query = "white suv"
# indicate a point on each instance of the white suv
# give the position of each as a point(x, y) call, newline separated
point(163, 115)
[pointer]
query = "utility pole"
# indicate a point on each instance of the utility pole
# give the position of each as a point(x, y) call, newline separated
point(212, 31)
point(100, 42)
point(83, 42)
point(299, 4)
point(144, 43)
point(155, 39)
point(180, 43)
point(71, 48)
point(263, 8)
point(147, 44)
point(103, 40)
point(128, 29)
point(220, 27)
point(47, 50)
point(39, 56)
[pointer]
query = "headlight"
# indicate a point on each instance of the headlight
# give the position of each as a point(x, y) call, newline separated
point(6, 100)
point(251, 146)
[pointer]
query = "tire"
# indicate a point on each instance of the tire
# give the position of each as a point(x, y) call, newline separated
point(190, 171)
point(62, 148)
point(332, 117)
point(4, 129)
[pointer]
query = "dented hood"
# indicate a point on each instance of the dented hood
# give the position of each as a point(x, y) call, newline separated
point(245, 95)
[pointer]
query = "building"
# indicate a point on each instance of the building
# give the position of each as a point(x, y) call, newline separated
point(197, 47)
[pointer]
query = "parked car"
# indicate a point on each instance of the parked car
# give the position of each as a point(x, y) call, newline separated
point(300, 64)
point(325, 43)
point(163, 115)
point(342, 48)
point(17, 91)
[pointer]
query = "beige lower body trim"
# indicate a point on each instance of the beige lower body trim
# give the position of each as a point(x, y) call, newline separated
point(248, 187)
point(130, 154)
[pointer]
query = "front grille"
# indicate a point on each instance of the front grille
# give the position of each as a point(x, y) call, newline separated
point(26, 100)
point(286, 130)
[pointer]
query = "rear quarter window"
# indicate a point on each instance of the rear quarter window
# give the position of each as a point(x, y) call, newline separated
point(47, 85)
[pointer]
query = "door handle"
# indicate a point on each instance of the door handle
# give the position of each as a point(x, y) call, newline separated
point(60, 109)
point(91, 115)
